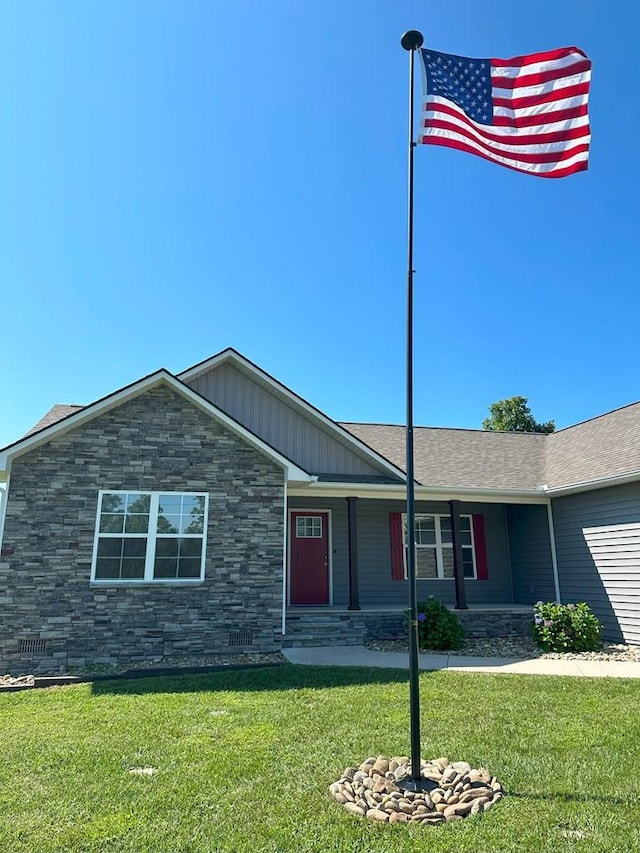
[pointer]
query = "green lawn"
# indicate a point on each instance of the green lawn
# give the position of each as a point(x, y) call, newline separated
point(244, 760)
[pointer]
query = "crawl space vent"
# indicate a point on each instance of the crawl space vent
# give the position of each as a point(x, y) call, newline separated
point(32, 646)
point(241, 638)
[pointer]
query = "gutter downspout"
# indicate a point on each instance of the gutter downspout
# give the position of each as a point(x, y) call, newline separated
point(554, 558)
point(285, 540)
point(4, 500)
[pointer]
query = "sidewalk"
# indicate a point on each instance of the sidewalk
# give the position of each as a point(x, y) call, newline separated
point(361, 656)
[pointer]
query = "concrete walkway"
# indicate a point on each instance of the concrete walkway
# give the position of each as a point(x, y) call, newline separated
point(361, 656)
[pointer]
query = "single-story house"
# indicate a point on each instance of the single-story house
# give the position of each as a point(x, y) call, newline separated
point(186, 515)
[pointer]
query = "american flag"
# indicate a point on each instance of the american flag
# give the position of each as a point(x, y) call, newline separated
point(528, 113)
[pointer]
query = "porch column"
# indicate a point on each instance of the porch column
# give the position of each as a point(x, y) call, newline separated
point(456, 541)
point(352, 528)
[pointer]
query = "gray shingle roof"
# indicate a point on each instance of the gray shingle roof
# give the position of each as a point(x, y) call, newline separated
point(56, 413)
point(603, 447)
point(606, 446)
point(460, 458)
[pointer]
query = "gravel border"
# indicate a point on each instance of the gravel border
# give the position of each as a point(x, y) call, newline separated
point(515, 647)
point(500, 647)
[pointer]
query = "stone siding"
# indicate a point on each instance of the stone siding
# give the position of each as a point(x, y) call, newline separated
point(496, 623)
point(156, 441)
point(476, 623)
point(355, 627)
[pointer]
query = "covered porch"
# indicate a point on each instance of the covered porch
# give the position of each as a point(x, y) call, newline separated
point(346, 576)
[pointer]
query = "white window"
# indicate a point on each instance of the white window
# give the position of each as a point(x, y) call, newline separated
point(150, 536)
point(434, 548)
point(309, 527)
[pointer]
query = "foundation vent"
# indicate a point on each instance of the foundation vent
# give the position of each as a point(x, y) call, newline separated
point(32, 646)
point(241, 638)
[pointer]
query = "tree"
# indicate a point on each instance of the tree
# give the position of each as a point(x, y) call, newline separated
point(514, 415)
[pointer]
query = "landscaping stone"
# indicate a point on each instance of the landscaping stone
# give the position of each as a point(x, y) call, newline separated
point(521, 647)
point(452, 791)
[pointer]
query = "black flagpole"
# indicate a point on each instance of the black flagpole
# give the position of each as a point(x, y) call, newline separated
point(412, 41)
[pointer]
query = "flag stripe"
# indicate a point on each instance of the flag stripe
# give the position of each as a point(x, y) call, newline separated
point(529, 113)
point(552, 153)
point(523, 79)
point(535, 143)
point(540, 88)
point(560, 58)
point(528, 119)
point(551, 132)
point(542, 109)
point(541, 170)
point(546, 108)
point(537, 95)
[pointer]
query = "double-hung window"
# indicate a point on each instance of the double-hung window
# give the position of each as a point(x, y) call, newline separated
point(150, 536)
point(434, 546)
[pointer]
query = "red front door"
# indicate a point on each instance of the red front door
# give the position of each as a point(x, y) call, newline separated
point(309, 566)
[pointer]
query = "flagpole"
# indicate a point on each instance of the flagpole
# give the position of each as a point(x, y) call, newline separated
point(412, 40)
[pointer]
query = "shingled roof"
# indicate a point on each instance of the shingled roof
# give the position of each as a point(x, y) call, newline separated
point(598, 449)
point(601, 449)
point(462, 458)
point(56, 413)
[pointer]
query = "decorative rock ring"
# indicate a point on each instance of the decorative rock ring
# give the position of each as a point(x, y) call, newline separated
point(382, 789)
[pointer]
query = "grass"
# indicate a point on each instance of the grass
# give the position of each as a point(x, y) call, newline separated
point(244, 760)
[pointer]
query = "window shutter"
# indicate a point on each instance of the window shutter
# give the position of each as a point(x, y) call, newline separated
point(482, 568)
point(397, 546)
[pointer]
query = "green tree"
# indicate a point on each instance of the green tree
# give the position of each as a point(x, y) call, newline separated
point(514, 415)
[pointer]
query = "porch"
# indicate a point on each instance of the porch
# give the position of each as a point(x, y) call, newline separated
point(339, 626)
point(346, 568)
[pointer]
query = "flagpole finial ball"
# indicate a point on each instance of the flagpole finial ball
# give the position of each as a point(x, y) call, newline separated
point(412, 40)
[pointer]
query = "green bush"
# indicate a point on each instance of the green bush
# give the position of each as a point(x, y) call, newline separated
point(566, 627)
point(438, 627)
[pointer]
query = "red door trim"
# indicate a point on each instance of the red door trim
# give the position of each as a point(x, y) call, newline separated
point(326, 513)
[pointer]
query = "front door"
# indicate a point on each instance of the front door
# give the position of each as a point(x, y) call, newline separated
point(309, 565)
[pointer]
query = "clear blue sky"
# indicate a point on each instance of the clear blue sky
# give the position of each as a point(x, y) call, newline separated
point(176, 178)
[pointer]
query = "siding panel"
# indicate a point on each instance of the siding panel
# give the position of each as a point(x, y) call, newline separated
point(376, 584)
point(377, 588)
point(530, 546)
point(598, 547)
point(280, 424)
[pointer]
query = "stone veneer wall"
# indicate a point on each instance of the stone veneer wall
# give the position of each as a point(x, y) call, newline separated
point(477, 623)
point(156, 441)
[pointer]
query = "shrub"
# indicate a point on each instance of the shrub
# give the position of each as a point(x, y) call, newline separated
point(438, 627)
point(566, 627)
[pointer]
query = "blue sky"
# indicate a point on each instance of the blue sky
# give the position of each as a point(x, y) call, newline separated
point(181, 177)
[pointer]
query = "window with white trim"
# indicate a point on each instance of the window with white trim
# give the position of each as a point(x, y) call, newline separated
point(150, 536)
point(434, 546)
point(309, 527)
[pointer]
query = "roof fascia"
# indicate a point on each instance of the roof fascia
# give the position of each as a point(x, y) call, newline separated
point(424, 493)
point(105, 404)
point(591, 485)
point(233, 355)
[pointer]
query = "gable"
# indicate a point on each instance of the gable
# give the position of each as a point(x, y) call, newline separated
point(124, 446)
point(118, 398)
point(292, 428)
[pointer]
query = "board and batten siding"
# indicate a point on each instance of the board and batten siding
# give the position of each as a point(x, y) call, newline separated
point(274, 419)
point(530, 550)
point(598, 549)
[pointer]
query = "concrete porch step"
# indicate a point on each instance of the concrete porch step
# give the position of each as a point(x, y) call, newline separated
point(323, 629)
